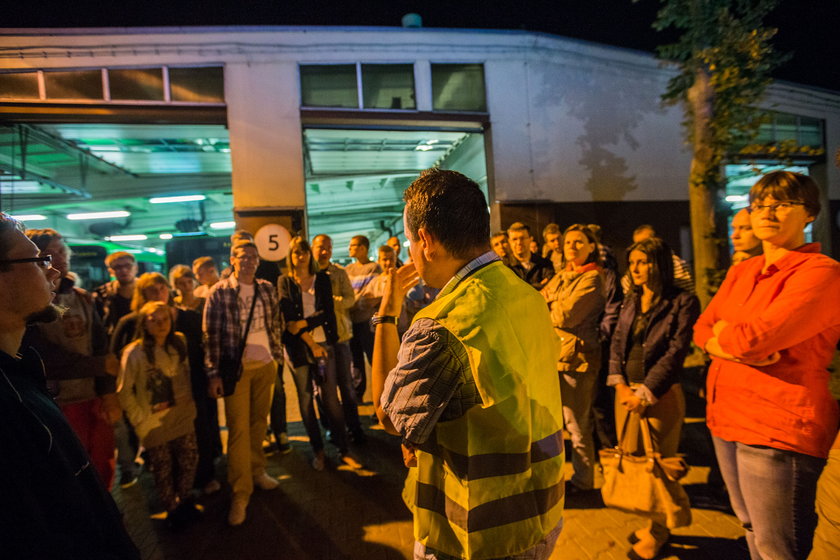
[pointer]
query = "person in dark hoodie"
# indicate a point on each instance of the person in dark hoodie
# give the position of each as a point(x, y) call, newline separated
point(52, 502)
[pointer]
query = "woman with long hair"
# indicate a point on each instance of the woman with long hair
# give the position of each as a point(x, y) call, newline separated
point(771, 330)
point(576, 300)
point(651, 341)
point(306, 302)
point(149, 286)
point(154, 390)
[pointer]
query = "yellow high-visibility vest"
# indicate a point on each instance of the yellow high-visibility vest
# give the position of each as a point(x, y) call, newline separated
point(490, 483)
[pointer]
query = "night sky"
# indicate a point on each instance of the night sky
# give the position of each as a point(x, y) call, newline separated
point(808, 29)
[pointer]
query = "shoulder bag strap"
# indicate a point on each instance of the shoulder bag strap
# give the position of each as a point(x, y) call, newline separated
point(244, 339)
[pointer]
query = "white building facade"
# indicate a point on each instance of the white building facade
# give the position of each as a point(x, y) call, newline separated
point(556, 130)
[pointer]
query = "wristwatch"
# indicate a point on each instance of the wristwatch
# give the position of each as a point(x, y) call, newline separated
point(377, 319)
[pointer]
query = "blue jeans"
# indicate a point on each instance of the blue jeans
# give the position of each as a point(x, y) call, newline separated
point(329, 394)
point(772, 492)
point(344, 378)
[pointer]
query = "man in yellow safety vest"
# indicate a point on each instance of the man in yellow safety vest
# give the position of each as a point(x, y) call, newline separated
point(473, 388)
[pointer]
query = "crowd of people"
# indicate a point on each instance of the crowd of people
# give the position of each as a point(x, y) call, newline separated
point(545, 334)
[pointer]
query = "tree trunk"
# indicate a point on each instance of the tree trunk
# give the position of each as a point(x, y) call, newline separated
point(703, 183)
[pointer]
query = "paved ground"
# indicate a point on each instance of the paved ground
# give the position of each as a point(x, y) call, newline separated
point(342, 514)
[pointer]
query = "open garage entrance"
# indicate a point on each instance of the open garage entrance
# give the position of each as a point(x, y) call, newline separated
point(355, 177)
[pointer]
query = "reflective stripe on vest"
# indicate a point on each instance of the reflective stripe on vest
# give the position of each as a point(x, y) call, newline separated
point(490, 483)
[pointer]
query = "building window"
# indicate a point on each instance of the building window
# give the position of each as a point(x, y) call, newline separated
point(197, 85)
point(203, 84)
point(388, 86)
point(136, 84)
point(781, 127)
point(334, 85)
point(75, 84)
point(458, 87)
point(19, 86)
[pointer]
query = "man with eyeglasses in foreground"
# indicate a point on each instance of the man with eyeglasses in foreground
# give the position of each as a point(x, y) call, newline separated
point(74, 350)
point(52, 503)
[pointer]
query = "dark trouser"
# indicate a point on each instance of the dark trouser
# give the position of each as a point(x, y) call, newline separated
point(361, 345)
point(173, 465)
point(344, 379)
point(278, 407)
point(329, 394)
point(603, 407)
point(207, 438)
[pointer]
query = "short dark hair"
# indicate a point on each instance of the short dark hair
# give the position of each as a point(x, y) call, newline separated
point(119, 255)
point(363, 240)
point(595, 255)
point(200, 262)
point(451, 207)
point(43, 237)
point(242, 244)
point(7, 225)
point(661, 277)
point(644, 227)
point(786, 185)
point(519, 226)
point(386, 249)
point(550, 229)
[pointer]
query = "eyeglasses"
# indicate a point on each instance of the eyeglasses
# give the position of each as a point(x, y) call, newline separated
point(780, 207)
point(44, 262)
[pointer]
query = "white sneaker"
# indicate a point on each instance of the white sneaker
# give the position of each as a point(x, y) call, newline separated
point(265, 482)
point(236, 515)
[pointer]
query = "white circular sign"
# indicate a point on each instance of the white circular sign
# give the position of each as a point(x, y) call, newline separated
point(273, 242)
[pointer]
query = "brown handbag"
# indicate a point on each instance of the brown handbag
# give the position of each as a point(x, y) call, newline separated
point(647, 485)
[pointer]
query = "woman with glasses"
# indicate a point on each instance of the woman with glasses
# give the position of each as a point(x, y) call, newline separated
point(650, 343)
point(771, 330)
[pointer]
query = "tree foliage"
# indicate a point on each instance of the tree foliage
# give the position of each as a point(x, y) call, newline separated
point(726, 40)
point(724, 59)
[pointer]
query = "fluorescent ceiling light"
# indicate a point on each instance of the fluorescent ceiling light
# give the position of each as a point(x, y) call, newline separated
point(406, 243)
point(139, 237)
point(165, 236)
point(29, 217)
point(423, 148)
point(737, 198)
point(223, 225)
point(99, 215)
point(183, 198)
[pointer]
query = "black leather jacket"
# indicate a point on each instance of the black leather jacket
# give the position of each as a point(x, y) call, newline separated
point(291, 306)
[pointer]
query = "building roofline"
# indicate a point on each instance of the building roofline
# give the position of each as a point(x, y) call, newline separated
point(173, 30)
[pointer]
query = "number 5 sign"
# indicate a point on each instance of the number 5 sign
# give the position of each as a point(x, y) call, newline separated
point(272, 242)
